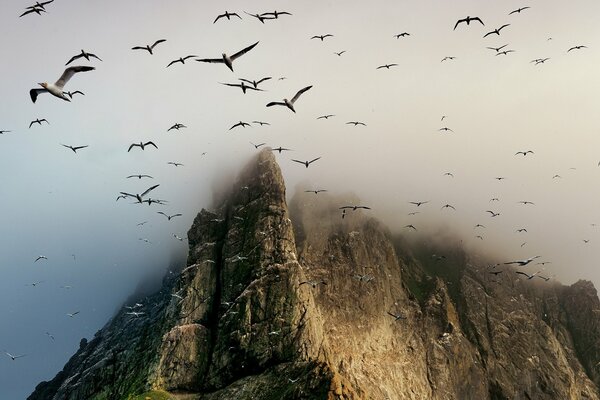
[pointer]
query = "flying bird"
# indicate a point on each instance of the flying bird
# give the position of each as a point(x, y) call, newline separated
point(39, 122)
point(227, 15)
point(387, 66)
point(181, 60)
point(497, 49)
point(289, 103)
point(33, 9)
point(418, 203)
point(56, 89)
point(522, 263)
point(493, 214)
point(169, 216)
point(177, 237)
point(526, 202)
point(276, 14)
point(51, 336)
point(83, 54)
point(340, 53)
point(228, 60)
point(40, 258)
point(261, 18)
point(280, 149)
point(139, 176)
point(73, 314)
point(518, 10)
point(261, 123)
point(322, 37)
point(538, 61)
point(255, 83)
point(356, 123)
point(2, 132)
point(410, 226)
point(41, 5)
point(177, 126)
point(175, 163)
point(14, 357)
point(403, 34)
point(242, 86)
point(307, 163)
point(141, 145)
point(148, 47)
point(241, 123)
point(256, 146)
point(314, 284)
point(354, 208)
point(524, 152)
point(446, 129)
point(527, 275)
point(71, 94)
point(468, 21)
point(139, 197)
point(448, 58)
point(315, 191)
point(448, 206)
point(496, 31)
point(74, 148)
point(504, 53)
point(577, 48)
point(327, 116)
point(479, 226)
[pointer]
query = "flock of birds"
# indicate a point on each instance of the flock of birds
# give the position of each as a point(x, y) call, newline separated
point(57, 90)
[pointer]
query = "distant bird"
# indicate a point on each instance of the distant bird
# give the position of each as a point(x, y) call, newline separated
point(387, 66)
point(518, 10)
point(34, 284)
point(315, 191)
point(322, 37)
point(448, 206)
point(497, 49)
point(276, 14)
point(494, 199)
point(39, 121)
point(227, 15)
point(403, 34)
point(524, 152)
point(327, 116)
point(36, 10)
point(314, 284)
point(73, 314)
point(261, 18)
point(177, 237)
point(356, 123)
point(397, 317)
point(577, 48)
point(148, 47)
point(280, 149)
point(496, 31)
point(14, 357)
point(241, 123)
point(307, 163)
point(139, 176)
point(83, 54)
point(410, 226)
point(255, 83)
point(261, 123)
point(256, 146)
point(354, 208)
point(479, 237)
point(56, 89)
point(468, 21)
point(526, 202)
point(521, 230)
point(242, 86)
point(413, 213)
point(450, 174)
point(40, 258)
point(177, 126)
point(71, 94)
point(545, 278)
point(448, 58)
point(142, 223)
point(74, 148)
point(499, 178)
point(135, 313)
point(289, 103)
point(504, 53)
point(340, 53)
point(228, 60)
point(169, 217)
point(522, 263)
point(41, 5)
point(479, 226)
point(181, 60)
point(2, 132)
point(527, 275)
point(445, 129)
point(418, 203)
point(139, 197)
point(538, 61)
point(51, 336)
point(523, 244)
point(145, 240)
point(493, 214)
point(141, 145)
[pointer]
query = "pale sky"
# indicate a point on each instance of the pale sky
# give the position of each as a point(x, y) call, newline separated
point(58, 203)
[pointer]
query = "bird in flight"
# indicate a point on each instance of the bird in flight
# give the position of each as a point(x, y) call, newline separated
point(446, 129)
point(499, 178)
point(450, 174)
point(56, 89)
point(275, 14)
point(280, 149)
point(403, 34)
point(177, 237)
point(135, 313)
point(241, 123)
point(327, 116)
point(73, 314)
point(317, 191)
point(255, 83)
point(521, 230)
point(289, 103)
point(34, 284)
point(538, 61)
point(418, 203)
point(524, 152)
point(227, 15)
point(322, 37)
point(354, 208)
point(71, 94)
point(261, 18)
point(2, 132)
point(83, 54)
point(527, 275)
point(14, 357)
point(496, 31)
point(51, 336)
point(468, 21)
point(74, 148)
point(177, 126)
point(181, 60)
point(504, 53)
point(340, 53)
point(243, 86)
point(397, 317)
point(356, 123)
point(307, 163)
point(448, 206)
point(493, 214)
point(522, 263)
point(526, 202)
point(497, 49)
point(175, 163)
point(518, 10)
point(228, 60)
point(139, 176)
point(479, 226)
point(577, 48)
point(256, 146)
point(139, 197)
point(387, 66)
point(40, 258)
point(141, 145)
point(447, 58)
point(261, 123)
point(148, 47)
point(33, 9)
point(169, 216)
point(410, 226)
point(39, 122)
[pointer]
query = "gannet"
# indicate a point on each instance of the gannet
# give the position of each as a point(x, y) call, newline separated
point(148, 47)
point(56, 89)
point(228, 60)
point(307, 163)
point(227, 15)
point(74, 148)
point(83, 54)
point(289, 103)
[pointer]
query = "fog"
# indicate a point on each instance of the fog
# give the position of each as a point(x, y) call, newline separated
point(59, 204)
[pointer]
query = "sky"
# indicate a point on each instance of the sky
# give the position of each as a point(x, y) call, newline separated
point(62, 205)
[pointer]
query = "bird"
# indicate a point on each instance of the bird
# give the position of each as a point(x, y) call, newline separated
point(518, 10)
point(410, 226)
point(497, 49)
point(261, 123)
point(243, 86)
point(522, 263)
point(276, 13)
point(521, 230)
point(2, 132)
point(356, 123)
point(280, 149)
point(339, 53)
point(141, 145)
point(228, 60)
point(73, 314)
point(577, 48)
point(145, 240)
point(39, 121)
point(255, 83)
point(177, 126)
point(227, 15)
point(56, 89)
point(468, 20)
point(387, 66)
point(175, 163)
point(40, 258)
point(524, 152)
point(413, 213)
point(74, 148)
point(450, 174)
point(34, 284)
point(354, 208)
point(307, 163)
point(545, 278)
point(418, 203)
point(526, 202)
point(493, 214)
point(148, 47)
point(169, 216)
point(317, 191)
point(397, 317)
point(322, 37)
point(494, 199)
point(479, 237)
point(448, 58)
point(326, 116)
point(83, 54)
point(51, 336)
point(403, 34)
point(36, 10)
point(445, 129)
point(181, 60)
point(261, 18)
point(41, 5)
point(504, 53)
point(499, 178)
point(71, 94)
point(241, 123)
point(177, 237)
point(139, 197)
point(314, 284)
point(139, 176)
point(14, 357)
point(527, 275)
point(448, 206)
point(142, 223)
point(256, 146)
point(496, 31)
point(479, 226)
point(540, 60)
point(289, 103)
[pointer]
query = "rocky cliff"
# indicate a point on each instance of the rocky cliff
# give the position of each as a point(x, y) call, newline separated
point(296, 303)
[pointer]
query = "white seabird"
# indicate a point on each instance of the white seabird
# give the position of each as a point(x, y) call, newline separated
point(56, 89)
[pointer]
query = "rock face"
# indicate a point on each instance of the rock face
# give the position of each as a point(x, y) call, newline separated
point(267, 309)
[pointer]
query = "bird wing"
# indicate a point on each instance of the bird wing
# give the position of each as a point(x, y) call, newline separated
point(69, 72)
point(210, 60)
point(244, 80)
point(523, 273)
point(150, 143)
point(478, 19)
point(489, 33)
point(160, 212)
point(297, 95)
point(33, 93)
point(263, 79)
point(128, 194)
point(276, 103)
point(311, 161)
point(176, 215)
point(243, 51)
point(172, 62)
point(148, 190)
point(218, 17)
point(74, 58)
point(80, 147)
point(298, 161)
point(459, 21)
point(139, 48)
point(503, 26)
point(157, 42)
point(365, 207)
point(29, 12)
point(132, 146)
